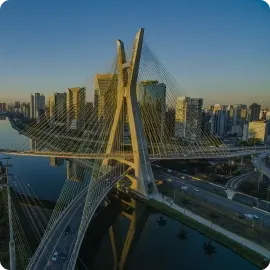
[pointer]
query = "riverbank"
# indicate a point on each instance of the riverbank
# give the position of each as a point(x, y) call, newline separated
point(244, 251)
point(14, 124)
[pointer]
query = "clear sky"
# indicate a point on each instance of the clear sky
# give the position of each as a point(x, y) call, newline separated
point(215, 49)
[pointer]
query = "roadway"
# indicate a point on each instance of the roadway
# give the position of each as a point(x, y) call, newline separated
point(56, 240)
point(177, 180)
point(259, 164)
point(125, 157)
point(235, 181)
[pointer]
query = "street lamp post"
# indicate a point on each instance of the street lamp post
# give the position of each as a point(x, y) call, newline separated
point(12, 253)
point(260, 176)
point(267, 198)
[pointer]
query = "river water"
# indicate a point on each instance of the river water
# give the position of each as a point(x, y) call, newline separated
point(154, 238)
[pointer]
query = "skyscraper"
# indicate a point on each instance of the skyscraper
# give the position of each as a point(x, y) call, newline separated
point(25, 109)
point(59, 107)
point(220, 119)
point(37, 105)
point(188, 119)
point(151, 96)
point(89, 112)
point(254, 112)
point(3, 107)
point(17, 106)
point(239, 114)
point(105, 91)
point(75, 107)
point(32, 107)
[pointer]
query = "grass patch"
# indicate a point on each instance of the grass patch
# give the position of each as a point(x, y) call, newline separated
point(243, 251)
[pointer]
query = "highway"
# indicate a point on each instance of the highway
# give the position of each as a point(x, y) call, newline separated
point(125, 157)
point(259, 164)
point(178, 180)
point(56, 240)
point(235, 182)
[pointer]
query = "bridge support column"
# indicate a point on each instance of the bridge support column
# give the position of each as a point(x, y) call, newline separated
point(230, 193)
point(242, 161)
point(12, 253)
point(127, 83)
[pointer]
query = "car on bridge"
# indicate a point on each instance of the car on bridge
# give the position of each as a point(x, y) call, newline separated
point(55, 256)
point(184, 187)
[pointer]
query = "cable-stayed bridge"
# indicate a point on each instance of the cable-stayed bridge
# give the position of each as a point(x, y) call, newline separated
point(139, 115)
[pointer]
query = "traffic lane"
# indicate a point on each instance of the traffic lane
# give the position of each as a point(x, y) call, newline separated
point(66, 245)
point(240, 197)
point(244, 198)
point(81, 198)
point(193, 179)
point(75, 221)
point(243, 177)
point(46, 256)
point(220, 201)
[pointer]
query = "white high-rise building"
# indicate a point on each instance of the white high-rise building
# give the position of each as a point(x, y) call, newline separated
point(188, 118)
point(37, 105)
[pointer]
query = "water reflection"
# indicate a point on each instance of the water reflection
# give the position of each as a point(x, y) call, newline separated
point(128, 235)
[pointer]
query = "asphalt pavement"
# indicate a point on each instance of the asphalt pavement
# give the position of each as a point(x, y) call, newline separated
point(177, 180)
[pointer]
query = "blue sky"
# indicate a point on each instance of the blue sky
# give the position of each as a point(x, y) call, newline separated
point(215, 49)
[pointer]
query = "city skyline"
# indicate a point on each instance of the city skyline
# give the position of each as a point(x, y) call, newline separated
point(208, 57)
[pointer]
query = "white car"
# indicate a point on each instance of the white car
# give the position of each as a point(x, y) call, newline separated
point(248, 216)
point(55, 256)
point(195, 189)
point(184, 187)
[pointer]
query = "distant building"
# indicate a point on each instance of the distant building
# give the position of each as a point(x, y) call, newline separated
point(254, 112)
point(188, 119)
point(57, 105)
point(207, 121)
point(37, 105)
point(239, 114)
point(89, 113)
point(76, 107)
point(258, 129)
point(245, 132)
point(151, 96)
point(268, 131)
point(237, 130)
point(105, 94)
point(3, 107)
point(169, 130)
point(25, 110)
point(267, 116)
point(17, 106)
point(220, 119)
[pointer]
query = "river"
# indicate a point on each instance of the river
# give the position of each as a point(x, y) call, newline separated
point(154, 239)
